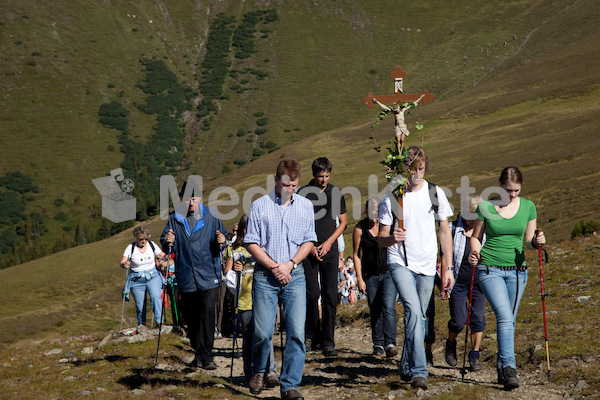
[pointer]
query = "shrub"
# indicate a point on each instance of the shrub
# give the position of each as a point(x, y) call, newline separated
point(262, 121)
point(61, 216)
point(260, 131)
point(585, 228)
point(59, 202)
point(240, 161)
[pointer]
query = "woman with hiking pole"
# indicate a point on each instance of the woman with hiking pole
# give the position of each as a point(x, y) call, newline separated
point(508, 223)
point(140, 258)
point(239, 261)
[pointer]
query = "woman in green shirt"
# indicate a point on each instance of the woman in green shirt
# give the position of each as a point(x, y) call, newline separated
point(508, 223)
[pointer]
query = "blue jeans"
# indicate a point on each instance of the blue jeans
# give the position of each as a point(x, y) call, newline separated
point(139, 286)
point(415, 292)
point(265, 289)
point(503, 290)
point(381, 296)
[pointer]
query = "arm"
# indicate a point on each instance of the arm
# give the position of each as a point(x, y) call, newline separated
point(326, 245)
point(356, 240)
point(446, 243)
point(125, 262)
point(533, 237)
point(476, 238)
point(386, 240)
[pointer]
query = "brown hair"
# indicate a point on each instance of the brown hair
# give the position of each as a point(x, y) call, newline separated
point(289, 167)
point(239, 240)
point(511, 174)
point(416, 156)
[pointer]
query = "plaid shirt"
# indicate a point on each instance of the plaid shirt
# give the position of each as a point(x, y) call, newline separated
point(279, 230)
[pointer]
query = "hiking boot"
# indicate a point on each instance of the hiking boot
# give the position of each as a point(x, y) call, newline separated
point(391, 351)
point(405, 377)
point(474, 363)
point(378, 351)
point(419, 382)
point(510, 380)
point(271, 380)
point(330, 351)
point(209, 365)
point(451, 353)
point(291, 395)
point(429, 358)
point(256, 384)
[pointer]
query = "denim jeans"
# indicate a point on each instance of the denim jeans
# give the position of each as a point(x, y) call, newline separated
point(381, 296)
point(139, 286)
point(246, 330)
point(415, 292)
point(265, 289)
point(503, 290)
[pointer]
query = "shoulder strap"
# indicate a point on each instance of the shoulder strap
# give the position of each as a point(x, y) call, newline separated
point(433, 196)
point(132, 248)
point(151, 245)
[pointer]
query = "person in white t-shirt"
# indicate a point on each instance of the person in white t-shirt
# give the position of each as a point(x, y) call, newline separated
point(140, 258)
point(414, 275)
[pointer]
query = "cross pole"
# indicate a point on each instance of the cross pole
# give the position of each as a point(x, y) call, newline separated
point(399, 98)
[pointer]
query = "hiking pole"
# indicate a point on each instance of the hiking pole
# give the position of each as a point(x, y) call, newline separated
point(162, 313)
point(280, 324)
point(238, 285)
point(463, 370)
point(544, 310)
point(123, 295)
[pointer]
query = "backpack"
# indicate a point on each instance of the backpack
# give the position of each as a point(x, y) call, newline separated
point(151, 246)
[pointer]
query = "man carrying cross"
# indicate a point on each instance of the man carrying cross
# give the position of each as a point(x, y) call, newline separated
point(413, 271)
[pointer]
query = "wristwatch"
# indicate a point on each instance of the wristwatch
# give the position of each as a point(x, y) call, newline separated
point(449, 268)
point(294, 262)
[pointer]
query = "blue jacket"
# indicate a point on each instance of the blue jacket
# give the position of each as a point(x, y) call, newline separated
point(197, 254)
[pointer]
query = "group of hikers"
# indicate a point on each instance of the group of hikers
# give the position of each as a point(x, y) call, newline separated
point(286, 254)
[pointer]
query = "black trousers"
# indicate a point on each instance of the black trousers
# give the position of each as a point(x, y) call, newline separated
point(328, 272)
point(198, 310)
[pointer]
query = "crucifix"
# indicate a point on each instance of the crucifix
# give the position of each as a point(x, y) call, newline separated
point(402, 102)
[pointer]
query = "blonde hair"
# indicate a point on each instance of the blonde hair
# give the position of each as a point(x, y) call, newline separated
point(140, 230)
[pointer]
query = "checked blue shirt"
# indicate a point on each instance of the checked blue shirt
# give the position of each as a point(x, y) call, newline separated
point(279, 230)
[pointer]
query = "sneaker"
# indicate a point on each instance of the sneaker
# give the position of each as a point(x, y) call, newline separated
point(510, 380)
point(256, 384)
point(218, 335)
point(419, 382)
point(451, 353)
point(474, 363)
point(330, 351)
point(378, 351)
point(429, 358)
point(391, 351)
point(272, 380)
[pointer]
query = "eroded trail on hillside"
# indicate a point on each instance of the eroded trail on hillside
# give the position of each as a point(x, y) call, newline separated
point(356, 374)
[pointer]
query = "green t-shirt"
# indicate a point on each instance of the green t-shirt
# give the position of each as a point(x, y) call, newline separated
point(504, 237)
point(245, 301)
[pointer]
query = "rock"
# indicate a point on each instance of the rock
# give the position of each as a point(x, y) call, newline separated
point(69, 354)
point(420, 393)
point(583, 299)
point(138, 392)
point(105, 340)
point(69, 378)
point(580, 385)
point(87, 350)
point(53, 352)
point(6, 365)
point(101, 389)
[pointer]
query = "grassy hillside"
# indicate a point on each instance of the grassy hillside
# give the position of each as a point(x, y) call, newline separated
point(531, 61)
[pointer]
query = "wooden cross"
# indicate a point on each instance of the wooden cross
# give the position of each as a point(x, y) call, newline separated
point(398, 96)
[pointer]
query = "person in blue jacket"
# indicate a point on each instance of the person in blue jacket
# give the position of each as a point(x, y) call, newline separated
point(196, 239)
